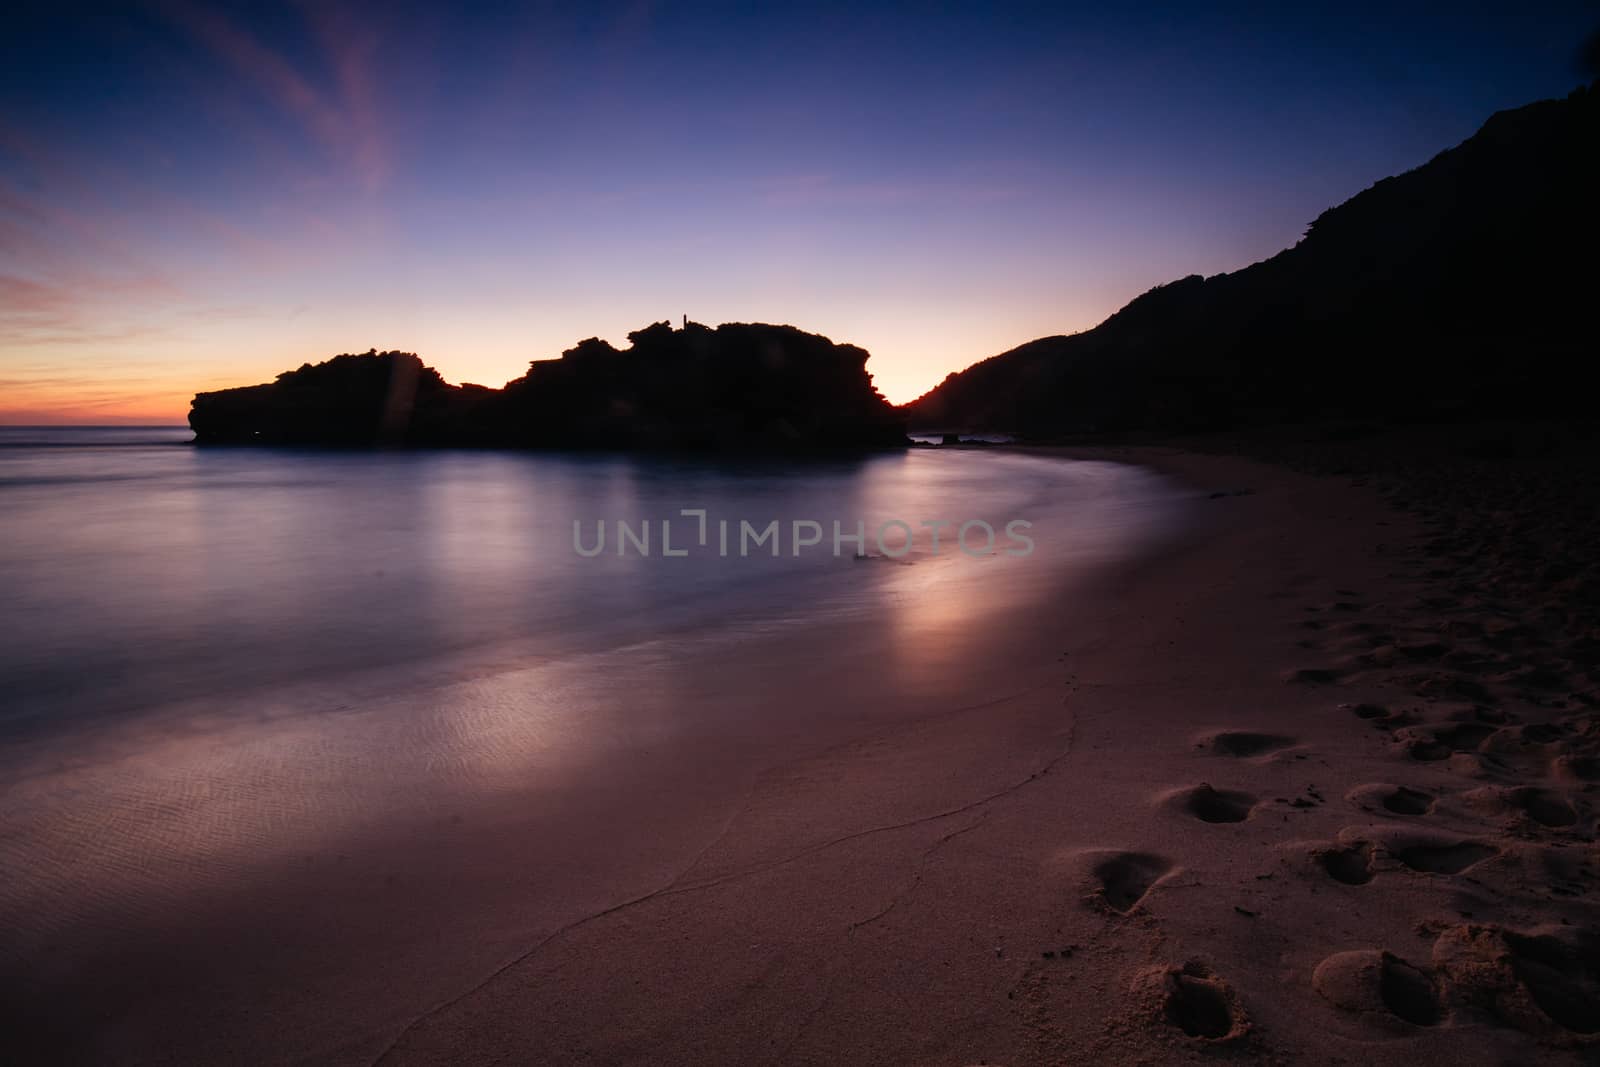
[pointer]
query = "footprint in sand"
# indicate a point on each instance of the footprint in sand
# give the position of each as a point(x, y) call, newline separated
point(1396, 799)
point(1124, 878)
point(1373, 981)
point(1576, 768)
point(1408, 991)
point(1545, 982)
point(1430, 745)
point(1535, 681)
point(1194, 1000)
point(1199, 1007)
point(1243, 744)
point(1213, 805)
point(1445, 859)
point(1562, 978)
point(1403, 801)
point(1351, 864)
point(1465, 737)
point(1544, 806)
point(1423, 749)
point(1381, 717)
point(1442, 685)
point(1531, 740)
point(1542, 733)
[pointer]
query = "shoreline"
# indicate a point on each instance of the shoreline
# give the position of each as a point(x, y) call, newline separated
point(1150, 807)
point(1220, 842)
point(241, 887)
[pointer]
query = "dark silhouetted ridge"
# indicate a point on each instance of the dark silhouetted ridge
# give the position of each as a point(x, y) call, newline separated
point(1463, 288)
point(737, 386)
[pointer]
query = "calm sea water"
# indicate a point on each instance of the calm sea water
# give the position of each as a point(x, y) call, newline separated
point(294, 744)
point(138, 572)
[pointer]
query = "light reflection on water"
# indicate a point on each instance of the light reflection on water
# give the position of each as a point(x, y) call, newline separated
point(137, 575)
point(226, 671)
point(202, 647)
point(205, 651)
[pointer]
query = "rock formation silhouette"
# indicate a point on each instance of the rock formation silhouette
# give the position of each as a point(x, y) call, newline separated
point(1463, 288)
point(737, 386)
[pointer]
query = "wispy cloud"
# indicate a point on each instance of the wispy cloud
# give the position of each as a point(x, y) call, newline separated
point(78, 267)
point(72, 312)
point(342, 117)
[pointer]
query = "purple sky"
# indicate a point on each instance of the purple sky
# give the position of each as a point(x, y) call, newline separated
point(195, 196)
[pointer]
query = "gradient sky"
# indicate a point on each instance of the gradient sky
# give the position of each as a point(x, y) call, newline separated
point(195, 196)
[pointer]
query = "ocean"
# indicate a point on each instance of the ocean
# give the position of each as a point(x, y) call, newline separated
point(138, 572)
point(296, 744)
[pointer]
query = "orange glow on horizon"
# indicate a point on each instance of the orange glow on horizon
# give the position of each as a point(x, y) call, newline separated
point(66, 388)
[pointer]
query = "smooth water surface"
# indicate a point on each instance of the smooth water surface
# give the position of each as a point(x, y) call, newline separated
point(297, 744)
point(137, 571)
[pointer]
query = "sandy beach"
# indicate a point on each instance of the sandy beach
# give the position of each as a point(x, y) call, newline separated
point(1273, 790)
point(1231, 822)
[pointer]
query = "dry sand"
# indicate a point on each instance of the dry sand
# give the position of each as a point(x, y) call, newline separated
point(1287, 791)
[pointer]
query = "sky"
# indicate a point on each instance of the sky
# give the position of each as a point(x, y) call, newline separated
point(196, 196)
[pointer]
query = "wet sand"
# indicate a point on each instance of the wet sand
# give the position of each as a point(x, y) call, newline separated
point(1258, 824)
point(1265, 791)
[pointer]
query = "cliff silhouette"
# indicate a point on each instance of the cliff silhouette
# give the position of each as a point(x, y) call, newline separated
point(738, 386)
point(1461, 289)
